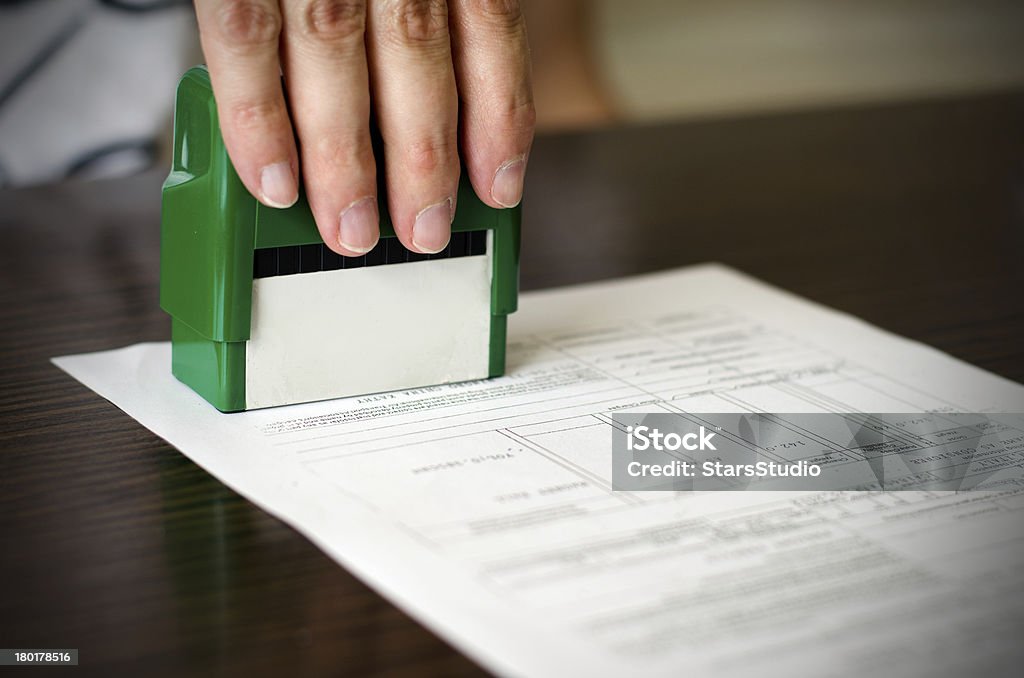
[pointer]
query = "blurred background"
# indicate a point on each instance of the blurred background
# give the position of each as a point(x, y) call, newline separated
point(86, 86)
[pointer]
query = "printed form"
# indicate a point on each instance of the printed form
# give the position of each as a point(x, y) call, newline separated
point(485, 509)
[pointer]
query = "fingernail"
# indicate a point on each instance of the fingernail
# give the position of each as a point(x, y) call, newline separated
point(357, 231)
point(433, 227)
point(507, 186)
point(278, 185)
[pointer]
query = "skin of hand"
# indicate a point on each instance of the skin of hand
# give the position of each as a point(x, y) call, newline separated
point(441, 76)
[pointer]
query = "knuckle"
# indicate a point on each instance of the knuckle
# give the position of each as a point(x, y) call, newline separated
point(332, 21)
point(505, 13)
point(417, 22)
point(344, 151)
point(255, 115)
point(248, 23)
point(428, 156)
point(515, 121)
point(523, 117)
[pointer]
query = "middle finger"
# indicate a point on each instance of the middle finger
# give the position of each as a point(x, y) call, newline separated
point(413, 85)
point(324, 58)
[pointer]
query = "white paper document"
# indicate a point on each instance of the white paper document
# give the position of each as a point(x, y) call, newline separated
point(485, 509)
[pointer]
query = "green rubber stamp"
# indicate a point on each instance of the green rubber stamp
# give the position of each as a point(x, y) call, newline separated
point(264, 314)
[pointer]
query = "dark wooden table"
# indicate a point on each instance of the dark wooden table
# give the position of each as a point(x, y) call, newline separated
point(910, 216)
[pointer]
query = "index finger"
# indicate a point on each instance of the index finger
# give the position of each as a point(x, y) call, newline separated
point(240, 42)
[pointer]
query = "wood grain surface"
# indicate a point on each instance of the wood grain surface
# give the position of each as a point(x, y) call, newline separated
point(909, 216)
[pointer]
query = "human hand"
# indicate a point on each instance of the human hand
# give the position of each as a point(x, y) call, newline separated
point(440, 75)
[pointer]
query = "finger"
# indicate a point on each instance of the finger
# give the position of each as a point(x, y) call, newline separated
point(492, 68)
point(240, 42)
point(413, 86)
point(326, 74)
